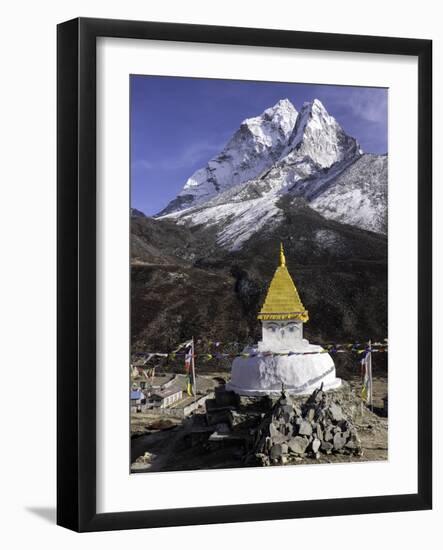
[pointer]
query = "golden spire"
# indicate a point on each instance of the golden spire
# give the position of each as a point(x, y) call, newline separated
point(282, 300)
point(282, 255)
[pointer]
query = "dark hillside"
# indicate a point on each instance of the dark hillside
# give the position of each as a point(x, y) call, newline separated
point(183, 285)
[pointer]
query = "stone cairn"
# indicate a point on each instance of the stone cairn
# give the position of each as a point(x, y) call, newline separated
point(291, 431)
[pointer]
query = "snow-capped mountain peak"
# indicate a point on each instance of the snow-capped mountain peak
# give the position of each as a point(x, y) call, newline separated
point(282, 115)
point(280, 152)
point(253, 149)
point(270, 128)
point(318, 135)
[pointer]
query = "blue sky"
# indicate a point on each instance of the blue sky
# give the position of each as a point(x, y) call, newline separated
point(178, 124)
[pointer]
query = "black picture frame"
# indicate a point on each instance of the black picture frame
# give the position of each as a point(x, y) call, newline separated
point(76, 293)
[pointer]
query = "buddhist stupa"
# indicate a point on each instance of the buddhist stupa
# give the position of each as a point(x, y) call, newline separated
point(283, 357)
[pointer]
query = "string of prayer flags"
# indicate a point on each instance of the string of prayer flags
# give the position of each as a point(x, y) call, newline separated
point(220, 355)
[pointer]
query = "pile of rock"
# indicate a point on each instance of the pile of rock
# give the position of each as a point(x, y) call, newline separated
point(307, 429)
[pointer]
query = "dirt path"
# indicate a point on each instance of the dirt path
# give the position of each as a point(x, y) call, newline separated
point(161, 446)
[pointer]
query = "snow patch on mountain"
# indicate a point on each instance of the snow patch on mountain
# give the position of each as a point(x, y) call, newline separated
point(359, 195)
point(237, 213)
point(236, 222)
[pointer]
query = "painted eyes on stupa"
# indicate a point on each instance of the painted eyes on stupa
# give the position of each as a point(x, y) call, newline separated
point(291, 327)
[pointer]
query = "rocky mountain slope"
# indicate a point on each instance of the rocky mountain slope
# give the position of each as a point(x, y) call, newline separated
point(183, 284)
point(359, 195)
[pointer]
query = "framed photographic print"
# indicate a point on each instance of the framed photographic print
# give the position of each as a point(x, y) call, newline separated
point(244, 274)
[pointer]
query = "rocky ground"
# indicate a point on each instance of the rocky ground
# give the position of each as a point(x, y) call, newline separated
point(174, 444)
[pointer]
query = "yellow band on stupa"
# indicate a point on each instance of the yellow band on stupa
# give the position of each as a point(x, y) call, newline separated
point(282, 300)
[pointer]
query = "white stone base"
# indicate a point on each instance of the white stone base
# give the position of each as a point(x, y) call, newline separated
point(300, 374)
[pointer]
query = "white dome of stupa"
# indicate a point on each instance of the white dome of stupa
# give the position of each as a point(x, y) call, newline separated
point(283, 357)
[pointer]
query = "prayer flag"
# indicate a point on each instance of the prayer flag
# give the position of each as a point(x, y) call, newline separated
point(188, 358)
point(366, 391)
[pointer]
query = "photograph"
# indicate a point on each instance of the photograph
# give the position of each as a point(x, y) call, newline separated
point(220, 225)
point(258, 273)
